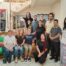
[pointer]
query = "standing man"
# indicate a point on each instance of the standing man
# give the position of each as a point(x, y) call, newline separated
point(34, 23)
point(55, 35)
point(43, 20)
point(48, 26)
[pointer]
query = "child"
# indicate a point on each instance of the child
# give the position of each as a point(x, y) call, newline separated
point(28, 44)
point(41, 53)
point(18, 49)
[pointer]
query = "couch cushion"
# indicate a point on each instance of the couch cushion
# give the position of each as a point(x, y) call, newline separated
point(1, 39)
point(1, 50)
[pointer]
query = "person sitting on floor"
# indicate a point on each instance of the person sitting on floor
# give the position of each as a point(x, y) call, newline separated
point(40, 54)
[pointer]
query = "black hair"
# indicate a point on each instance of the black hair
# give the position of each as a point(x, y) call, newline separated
point(56, 20)
point(53, 15)
point(64, 23)
point(29, 15)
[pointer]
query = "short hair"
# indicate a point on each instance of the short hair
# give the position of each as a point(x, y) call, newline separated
point(10, 31)
point(40, 20)
point(35, 15)
point(56, 20)
point(53, 15)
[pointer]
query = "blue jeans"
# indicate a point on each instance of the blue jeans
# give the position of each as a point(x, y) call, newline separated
point(18, 51)
point(7, 54)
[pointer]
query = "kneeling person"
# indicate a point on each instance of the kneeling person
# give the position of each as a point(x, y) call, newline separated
point(40, 54)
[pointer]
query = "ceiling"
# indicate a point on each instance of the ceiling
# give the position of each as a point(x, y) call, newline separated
point(43, 2)
point(18, 5)
point(35, 2)
point(15, 0)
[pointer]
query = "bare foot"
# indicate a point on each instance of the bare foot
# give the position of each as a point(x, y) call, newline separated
point(16, 60)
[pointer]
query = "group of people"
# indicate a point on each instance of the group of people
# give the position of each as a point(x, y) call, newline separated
point(35, 39)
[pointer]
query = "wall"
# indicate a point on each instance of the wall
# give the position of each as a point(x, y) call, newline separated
point(63, 10)
point(59, 9)
point(36, 10)
point(56, 8)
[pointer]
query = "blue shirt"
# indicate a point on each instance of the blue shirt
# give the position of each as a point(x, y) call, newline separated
point(28, 39)
point(34, 25)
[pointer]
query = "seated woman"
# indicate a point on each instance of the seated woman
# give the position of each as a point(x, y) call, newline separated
point(18, 49)
point(41, 54)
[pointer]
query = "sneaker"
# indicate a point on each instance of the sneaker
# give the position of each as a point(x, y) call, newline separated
point(25, 59)
point(51, 58)
point(29, 59)
point(16, 61)
point(22, 60)
point(9, 60)
point(56, 59)
point(4, 61)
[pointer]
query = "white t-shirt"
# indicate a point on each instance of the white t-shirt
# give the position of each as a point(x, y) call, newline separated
point(48, 25)
point(9, 41)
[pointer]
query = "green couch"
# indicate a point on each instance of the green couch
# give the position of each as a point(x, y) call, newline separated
point(1, 44)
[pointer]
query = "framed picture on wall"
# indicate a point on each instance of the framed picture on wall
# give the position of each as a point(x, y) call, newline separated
point(16, 21)
point(45, 16)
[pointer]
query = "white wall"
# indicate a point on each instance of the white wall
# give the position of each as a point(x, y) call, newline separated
point(36, 10)
point(59, 9)
point(56, 8)
point(63, 10)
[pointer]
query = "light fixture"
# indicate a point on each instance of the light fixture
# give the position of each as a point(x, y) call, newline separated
point(1, 0)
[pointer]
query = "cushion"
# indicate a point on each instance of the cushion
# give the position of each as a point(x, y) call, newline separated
point(1, 39)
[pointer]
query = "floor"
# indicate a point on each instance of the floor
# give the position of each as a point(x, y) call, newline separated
point(32, 63)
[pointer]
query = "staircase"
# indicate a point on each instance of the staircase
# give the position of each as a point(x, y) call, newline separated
point(17, 6)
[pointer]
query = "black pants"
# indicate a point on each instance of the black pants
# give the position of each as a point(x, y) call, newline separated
point(41, 59)
point(48, 43)
point(55, 49)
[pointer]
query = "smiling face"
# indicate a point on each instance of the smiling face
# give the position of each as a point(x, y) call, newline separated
point(41, 17)
point(29, 31)
point(35, 17)
point(42, 37)
point(51, 16)
point(40, 23)
point(55, 23)
point(10, 32)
